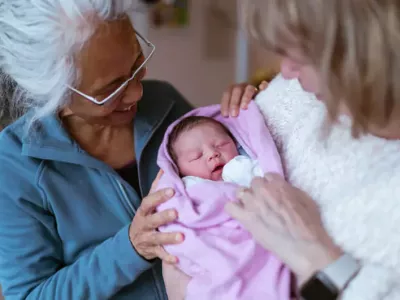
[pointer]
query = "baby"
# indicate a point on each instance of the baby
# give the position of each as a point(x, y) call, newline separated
point(203, 148)
point(205, 158)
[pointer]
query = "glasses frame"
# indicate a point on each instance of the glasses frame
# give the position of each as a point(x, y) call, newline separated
point(108, 98)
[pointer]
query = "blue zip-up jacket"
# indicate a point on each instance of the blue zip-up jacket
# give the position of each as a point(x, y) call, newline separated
point(64, 215)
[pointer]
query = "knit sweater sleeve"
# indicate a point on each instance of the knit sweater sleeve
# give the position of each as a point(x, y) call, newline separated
point(354, 182)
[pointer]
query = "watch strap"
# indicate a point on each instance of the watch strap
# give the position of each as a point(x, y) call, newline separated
point(341, 271)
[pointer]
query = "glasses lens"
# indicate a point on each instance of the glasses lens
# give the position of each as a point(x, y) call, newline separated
point(146, 49)
point(147, 52)
point(117, 95)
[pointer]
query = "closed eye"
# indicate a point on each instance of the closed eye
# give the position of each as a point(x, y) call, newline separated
point(223, 144)
point(112, 86)
point(195, 157)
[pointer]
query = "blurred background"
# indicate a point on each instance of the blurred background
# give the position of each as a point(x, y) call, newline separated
point(201, 47)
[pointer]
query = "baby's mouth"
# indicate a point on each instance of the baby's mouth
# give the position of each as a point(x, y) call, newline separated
point(218, 168)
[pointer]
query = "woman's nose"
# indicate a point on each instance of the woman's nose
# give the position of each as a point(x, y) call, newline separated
point(133, 92)
point(290, 69)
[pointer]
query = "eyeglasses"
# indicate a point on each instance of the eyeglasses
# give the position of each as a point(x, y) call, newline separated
point(150, 50)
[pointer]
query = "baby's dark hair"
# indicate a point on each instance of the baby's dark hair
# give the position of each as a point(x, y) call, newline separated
point(186, 124)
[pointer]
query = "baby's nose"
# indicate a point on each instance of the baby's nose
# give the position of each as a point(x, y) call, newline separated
point(214, 154)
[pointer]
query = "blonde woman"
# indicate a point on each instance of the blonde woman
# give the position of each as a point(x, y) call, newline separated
point(335, 114)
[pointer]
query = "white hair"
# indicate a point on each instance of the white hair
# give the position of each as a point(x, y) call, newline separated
point(38, 41)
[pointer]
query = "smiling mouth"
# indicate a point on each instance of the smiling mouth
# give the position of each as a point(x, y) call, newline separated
point(126, 109)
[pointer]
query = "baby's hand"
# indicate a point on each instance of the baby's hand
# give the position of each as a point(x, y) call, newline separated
point(238, 96)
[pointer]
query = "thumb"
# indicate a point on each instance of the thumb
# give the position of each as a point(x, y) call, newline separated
point(273, 176)
point(155, 182)
point(236, 211)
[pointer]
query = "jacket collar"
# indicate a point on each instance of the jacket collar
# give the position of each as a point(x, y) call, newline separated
point(49, 140)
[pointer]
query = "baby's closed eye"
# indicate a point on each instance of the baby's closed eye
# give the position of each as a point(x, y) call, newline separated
point(195, 156)
point(222, 144)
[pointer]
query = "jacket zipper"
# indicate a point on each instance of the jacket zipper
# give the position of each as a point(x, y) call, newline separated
point(126, 198)
point(156, 283)
point(130, 205)
point(147, 142)
point(133, 211)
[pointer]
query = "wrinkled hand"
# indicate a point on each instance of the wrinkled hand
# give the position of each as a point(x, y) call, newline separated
point(286, 221)
point(238, 96)
point(143, 234)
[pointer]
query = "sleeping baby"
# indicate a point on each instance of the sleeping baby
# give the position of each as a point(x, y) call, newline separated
point(203, 149)
point(206, 158)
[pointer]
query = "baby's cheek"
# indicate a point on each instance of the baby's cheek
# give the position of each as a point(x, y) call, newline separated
point(233, 153)
point(204, 172)
point(198, 169)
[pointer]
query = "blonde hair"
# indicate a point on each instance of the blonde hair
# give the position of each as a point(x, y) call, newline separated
point(354, 44)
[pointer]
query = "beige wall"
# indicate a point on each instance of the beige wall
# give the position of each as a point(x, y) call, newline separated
point(181, 58)
point(261, 59)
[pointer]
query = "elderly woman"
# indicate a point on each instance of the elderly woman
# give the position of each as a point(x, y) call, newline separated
point(343, 151)
point(75, 221)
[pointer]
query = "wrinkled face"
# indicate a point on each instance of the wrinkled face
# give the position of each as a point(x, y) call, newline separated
point(204, 150)
point(108, 60)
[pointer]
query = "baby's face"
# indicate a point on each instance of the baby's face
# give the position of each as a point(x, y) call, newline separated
point(204, 150)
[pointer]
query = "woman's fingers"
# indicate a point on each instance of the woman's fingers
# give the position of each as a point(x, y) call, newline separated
point(166, 238)
point(142, 232)
point(165, 256)
point(270, 177)
point(263, 85)
point(278, 200)
point(161, 218)
point(261, 200)
point(249, 93)
point(155, 182)
point(236, 98)
point(153, 200)
point(226, 97)
point(237, 212)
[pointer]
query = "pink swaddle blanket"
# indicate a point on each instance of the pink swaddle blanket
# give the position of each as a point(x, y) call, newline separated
point(218, 253)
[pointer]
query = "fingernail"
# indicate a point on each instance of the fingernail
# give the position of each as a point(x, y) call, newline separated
point(169, 192)
point(240, 193)
point(179, 237)
point(269, 176)
point(234, 112)
point(173, 214)
point(273, 176)
point(173, 259)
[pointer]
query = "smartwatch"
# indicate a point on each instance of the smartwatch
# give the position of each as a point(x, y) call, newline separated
point(328, 283)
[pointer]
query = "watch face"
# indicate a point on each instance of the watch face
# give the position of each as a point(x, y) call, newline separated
point(319, 287)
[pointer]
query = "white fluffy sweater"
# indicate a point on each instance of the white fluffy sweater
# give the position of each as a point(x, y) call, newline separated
point(355, 182)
